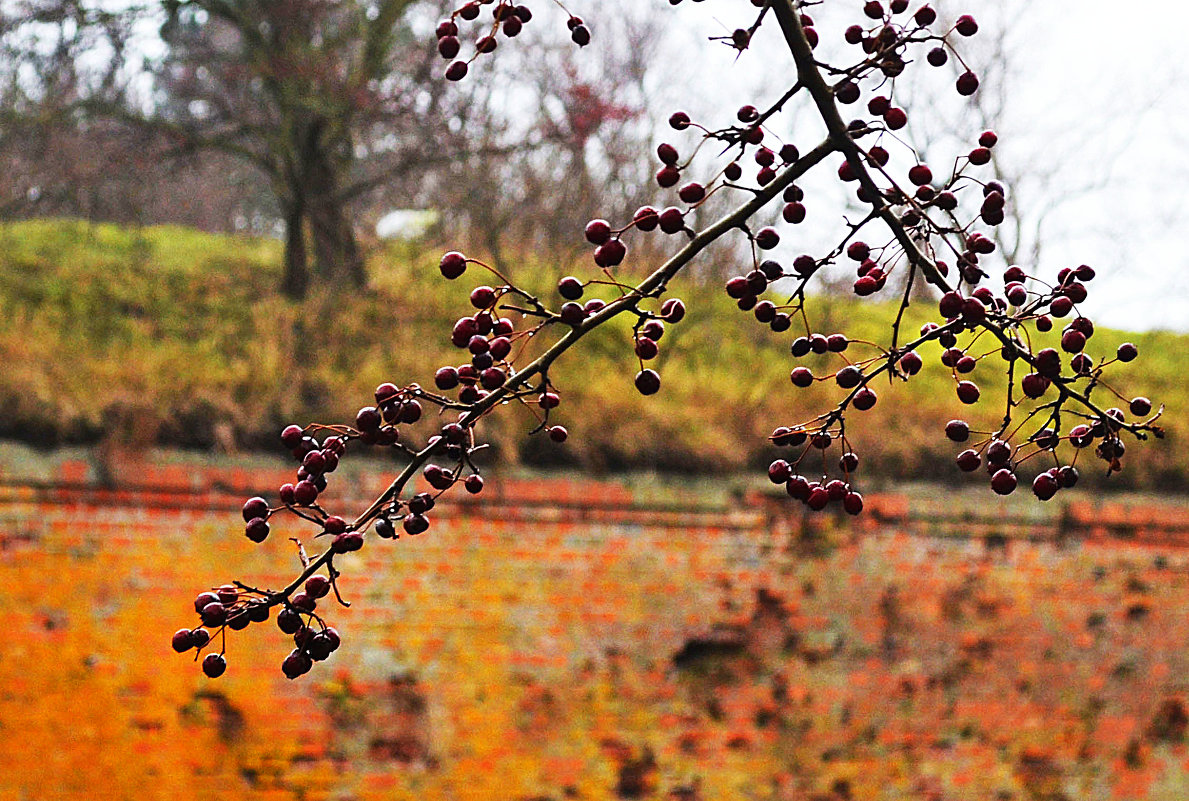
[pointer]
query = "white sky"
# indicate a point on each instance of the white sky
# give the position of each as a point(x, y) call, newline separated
point(1099, 95)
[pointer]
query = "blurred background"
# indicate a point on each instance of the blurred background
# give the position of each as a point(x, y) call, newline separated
point(217, 219)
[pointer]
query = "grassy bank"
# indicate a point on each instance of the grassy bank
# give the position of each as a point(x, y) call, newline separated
point(169, 336)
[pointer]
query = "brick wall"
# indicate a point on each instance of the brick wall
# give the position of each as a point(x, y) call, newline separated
point(559, 640)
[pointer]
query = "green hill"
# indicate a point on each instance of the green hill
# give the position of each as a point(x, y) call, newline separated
point(167, 336)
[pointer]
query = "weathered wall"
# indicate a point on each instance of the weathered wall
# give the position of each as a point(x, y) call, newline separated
point(588, 648)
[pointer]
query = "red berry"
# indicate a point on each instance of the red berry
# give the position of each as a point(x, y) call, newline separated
point(969, 461)
point(317, 586)
point(296, 664)
point(852, 503)
point(849, 377)
point(864, 399)
point(598, 232)
point(691, 192)
point(291, 436)
point(257, 529)
point(453, 264)
point(767, 238)
point(668, 176)
point(183, 640)
point(346, 542)
point(1044, 486)
point(1034, 385)
point(1073, 341)
point(679, 120)
point(895, 118)
point(648, 382)
point(966, 25)
point(214, 665)
point(911, 363)
point(1004, 482)
point(957, 430)
point(305, 493)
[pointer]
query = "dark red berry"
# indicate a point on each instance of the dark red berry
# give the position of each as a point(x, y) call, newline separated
point(920, 174)
point(183, 640)
point(214, 665)
point(598, 232)
point(1034, 385)
point(255, 507)
point(673, 310)
point(691, 192)
point(296, 664)
point(968, 392)
point(911, 363)
point(1073, 341)
point(1045, 486)
point(347, 541)
point(291, 437)
point(969, 461)
point(1004, 482)
point(818, 498)
point(849, 377)
point(767, 238)
point(648, 382)
point(864, 399)
point(679, 120)
point(569, 288)
point(957, 430)
point(895, 118)
point(368, 419)
point(852, 502)
point(257, 529)
point(966, 25)
point(646, 218)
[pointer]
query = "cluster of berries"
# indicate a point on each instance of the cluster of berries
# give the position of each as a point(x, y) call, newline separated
point(507, 18)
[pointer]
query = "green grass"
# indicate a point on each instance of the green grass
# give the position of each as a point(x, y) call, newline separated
point(159, 334)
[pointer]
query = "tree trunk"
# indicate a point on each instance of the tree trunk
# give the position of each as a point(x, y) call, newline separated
point(337, 259)
point(336, 251)
point(296, 277)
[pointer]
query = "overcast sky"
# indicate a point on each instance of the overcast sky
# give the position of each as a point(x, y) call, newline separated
point(1098, 96)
